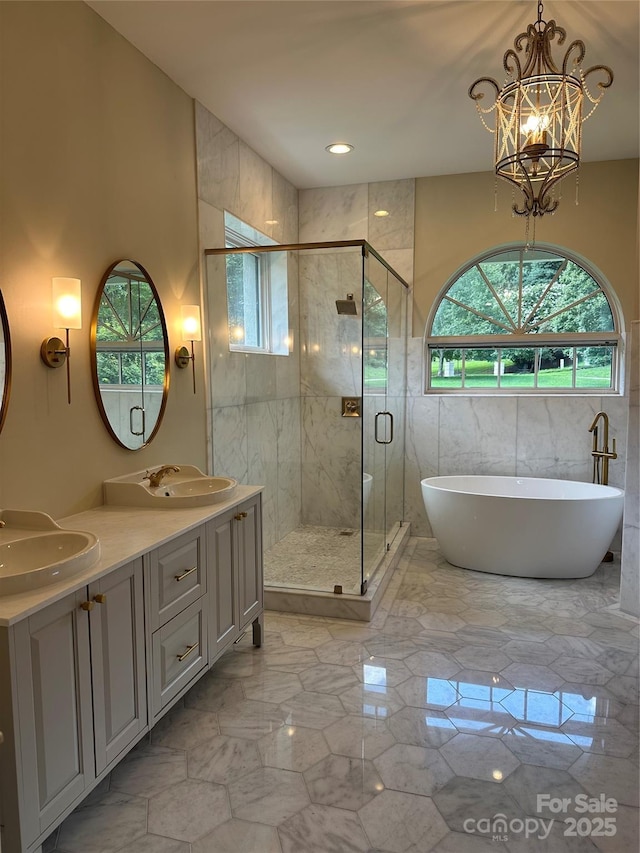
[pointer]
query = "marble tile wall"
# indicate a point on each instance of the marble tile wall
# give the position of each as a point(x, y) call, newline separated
point(630, 558)
point(253, 400)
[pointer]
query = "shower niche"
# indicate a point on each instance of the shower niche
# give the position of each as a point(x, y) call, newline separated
point(333, 505)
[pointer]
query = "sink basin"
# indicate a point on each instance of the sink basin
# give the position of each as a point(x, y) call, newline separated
point(187, 487)
point(42, 552)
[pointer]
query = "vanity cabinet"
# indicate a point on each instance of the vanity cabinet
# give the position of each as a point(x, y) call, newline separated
point(79, 695)
point(234, 559)
point(82, 679)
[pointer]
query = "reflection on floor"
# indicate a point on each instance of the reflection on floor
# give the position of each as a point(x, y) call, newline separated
point(474, 714)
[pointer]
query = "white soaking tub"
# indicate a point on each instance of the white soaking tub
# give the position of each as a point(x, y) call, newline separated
point(523, 526)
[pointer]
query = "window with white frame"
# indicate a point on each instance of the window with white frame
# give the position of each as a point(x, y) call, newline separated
point(524, 320)
point(257, 304)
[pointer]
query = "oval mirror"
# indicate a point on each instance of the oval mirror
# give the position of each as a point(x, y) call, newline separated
point(5, 362)
point(129, 354)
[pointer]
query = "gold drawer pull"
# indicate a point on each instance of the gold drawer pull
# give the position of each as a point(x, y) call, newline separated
point(187, 653)
point(87, 605)
point(240, 516)
point(100, 598)
point(186, 573)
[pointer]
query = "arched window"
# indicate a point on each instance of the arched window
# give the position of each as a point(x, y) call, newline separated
point(524, 320)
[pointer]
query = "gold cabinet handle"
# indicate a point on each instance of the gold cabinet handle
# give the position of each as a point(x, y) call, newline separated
point(186, 573)
point(100, 598)
point(87, 605)
point(240, 516)
point(187, 653)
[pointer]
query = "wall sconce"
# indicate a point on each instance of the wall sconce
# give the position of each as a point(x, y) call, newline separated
point(191, 331)
point(67, 314)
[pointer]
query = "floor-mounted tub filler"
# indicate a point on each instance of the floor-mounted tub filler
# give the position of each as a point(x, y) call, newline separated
point(523, 526)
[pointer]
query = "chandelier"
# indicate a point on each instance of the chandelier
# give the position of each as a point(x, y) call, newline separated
point(539, 113)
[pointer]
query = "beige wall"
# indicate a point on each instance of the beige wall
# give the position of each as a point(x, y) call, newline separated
point(96, 164)
point(455, 220)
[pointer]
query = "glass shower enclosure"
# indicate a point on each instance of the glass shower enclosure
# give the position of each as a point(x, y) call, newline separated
point(321, 422)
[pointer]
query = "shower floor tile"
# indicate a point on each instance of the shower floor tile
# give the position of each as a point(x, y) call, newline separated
point(313, 557)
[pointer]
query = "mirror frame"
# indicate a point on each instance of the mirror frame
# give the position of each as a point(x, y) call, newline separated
point(94, 360)
point(5, 390)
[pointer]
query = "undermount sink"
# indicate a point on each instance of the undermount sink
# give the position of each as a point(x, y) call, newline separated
point(35, 551)
point(185, 487)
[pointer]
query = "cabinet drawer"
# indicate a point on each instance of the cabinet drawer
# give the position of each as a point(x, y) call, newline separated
point(177, 576)
point(178, 652)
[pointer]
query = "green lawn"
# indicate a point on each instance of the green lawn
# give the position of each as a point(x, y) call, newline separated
point(480, 375)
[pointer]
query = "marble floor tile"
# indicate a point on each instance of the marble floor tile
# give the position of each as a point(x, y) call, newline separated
point(268, 795)
point(223, 759)
point(104, 826)
point(238, 835)
point(359, 737)
point(479, 757)
point(397, 821)
point(344, 782)
point(188, 810)
point(321, 828)
point(413, 769)
point(345, 737)
point(293, 748)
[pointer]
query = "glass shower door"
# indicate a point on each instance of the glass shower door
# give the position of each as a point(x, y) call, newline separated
point(377, 424)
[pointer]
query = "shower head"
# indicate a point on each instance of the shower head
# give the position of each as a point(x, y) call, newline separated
point(347, 306)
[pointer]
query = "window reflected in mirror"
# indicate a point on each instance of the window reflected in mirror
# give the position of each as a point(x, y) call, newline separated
point(130, 355)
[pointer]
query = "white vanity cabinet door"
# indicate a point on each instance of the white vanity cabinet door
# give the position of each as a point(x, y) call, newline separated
point(235, 574)
point(249, 568)
point(118, 661)
point(223, 582)
point(53, 680)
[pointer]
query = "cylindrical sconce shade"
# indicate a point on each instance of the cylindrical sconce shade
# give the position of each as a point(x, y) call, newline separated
point(191, 329)
point(67, 303)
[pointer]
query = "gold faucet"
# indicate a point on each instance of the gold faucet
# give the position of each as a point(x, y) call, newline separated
point(603, 455)
point(158, 476)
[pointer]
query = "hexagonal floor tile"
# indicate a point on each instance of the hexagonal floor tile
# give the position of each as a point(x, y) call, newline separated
point(418, 727)
point(413, 769)
point(188, 810)
point(328, 678)
point(533, 706)
point(293, 748)
point(397, 821)
point(476, 716)
point(544, 747)
point(482, 657)
point(114, 818)
point(223, 759)
point(238, 835)
point(268, 795)
point(358, 736)
point(533, 677)
point(339, 780)
point(581, 669)
point(479, 757)
point(421, 692)
point(433, 664)
point(615, 777)
point(147, 769)
point(308, 831)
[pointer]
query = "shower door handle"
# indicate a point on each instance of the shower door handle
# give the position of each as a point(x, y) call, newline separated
point(390, 416)
point(131, 411)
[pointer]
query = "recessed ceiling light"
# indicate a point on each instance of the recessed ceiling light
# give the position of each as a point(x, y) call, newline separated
point(381, 213)
point(339, 148)
point(271, 222)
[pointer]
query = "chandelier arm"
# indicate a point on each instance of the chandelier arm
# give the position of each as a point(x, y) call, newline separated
point(478, 96)
point(602, 84)
point(579, 49)
point(513, 56)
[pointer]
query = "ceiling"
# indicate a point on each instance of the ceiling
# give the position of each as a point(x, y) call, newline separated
point(389, 76)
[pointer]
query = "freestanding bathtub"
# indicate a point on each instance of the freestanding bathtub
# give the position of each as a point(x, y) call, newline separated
point(523, 526)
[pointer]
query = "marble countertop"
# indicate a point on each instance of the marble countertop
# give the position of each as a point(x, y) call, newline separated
point(125, 532)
